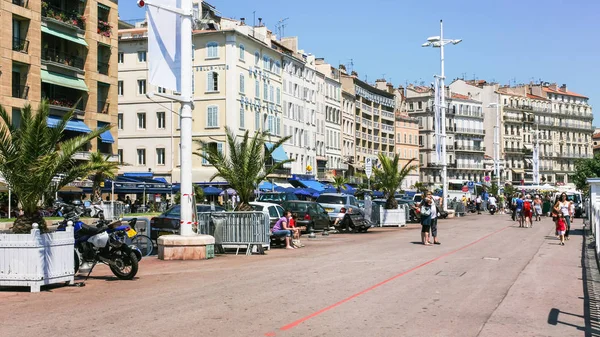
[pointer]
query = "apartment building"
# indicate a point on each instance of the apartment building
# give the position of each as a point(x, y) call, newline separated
point(553, 118)
point(407, 145)
point(62, 51)
point(329, 87)
point(374, 118)
point(464, 135)
point(299, 105)
point(237, 83)
point(348, 127)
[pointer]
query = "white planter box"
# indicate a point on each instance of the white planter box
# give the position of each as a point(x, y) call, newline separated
point(33, 260)
point(392, 217)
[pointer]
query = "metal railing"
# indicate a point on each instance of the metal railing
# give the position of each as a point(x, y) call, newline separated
point(20, 45)
point(113, 210)
point(103, 107)
point(22, 3)
point(54, 55)
point(69, 17)
point(103, 68)
point(470, 148)
point(236, 229)
point(20, 91)
point(469, 130)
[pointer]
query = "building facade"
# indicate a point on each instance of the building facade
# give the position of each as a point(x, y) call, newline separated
point(64, 52)
point(407, 146)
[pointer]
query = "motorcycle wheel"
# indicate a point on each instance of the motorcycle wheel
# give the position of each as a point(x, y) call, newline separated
point(126, 265)
point(77, 262)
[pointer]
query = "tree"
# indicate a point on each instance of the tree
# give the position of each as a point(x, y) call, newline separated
point(339, 183)
point(494, 189)
point(421, 187)
point(198, 191)
point(37, 160)
point(244, 166)
point(586, 168)
point(390, 176)
point(105, 170)
point(509, 190)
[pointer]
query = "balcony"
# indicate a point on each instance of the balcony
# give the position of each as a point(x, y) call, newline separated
point(470, 166)
point(22, 3)
point(20, 45)
point(280, 171)
point(60, 58)
point(357, 119)
point(20, 91)
point(376, 125)
point(103, 68)
point(104, 28)
point(513, 150)
point(68, 17)
point(103, 107)
point(387, 115)
point(469, 131)
point(468, 148)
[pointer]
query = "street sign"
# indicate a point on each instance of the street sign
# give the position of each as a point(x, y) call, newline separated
point(470, 184)
point(465, 189)
point(368, 167)
point(487, 179)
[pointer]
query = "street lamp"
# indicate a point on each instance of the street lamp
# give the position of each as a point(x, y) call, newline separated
point(440, 42)
point(497, 139)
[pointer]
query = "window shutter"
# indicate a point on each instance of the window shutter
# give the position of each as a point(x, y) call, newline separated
point(278, 126)
point(204, 161)
point(209, 81)
point(220, 148)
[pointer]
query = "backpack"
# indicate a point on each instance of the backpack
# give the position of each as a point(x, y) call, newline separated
point(527, 206)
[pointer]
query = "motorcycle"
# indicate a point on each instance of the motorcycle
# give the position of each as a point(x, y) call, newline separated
point(492, 209)
point(94, 211)
point(104, 243)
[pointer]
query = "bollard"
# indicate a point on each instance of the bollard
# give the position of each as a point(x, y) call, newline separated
point(311, 232)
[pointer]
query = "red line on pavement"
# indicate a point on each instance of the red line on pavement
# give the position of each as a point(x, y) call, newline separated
point(317, 313)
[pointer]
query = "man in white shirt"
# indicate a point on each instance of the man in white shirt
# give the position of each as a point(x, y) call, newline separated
point(492, 200)
point(434, 219)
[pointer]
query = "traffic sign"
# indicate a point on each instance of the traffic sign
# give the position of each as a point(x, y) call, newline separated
point(470, 184)
point(465, 189)
point(487, 179)
point(368, 167)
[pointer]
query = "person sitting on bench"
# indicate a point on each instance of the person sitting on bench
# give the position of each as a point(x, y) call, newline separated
point(281, 229)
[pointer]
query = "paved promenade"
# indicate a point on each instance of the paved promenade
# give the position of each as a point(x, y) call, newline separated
point(488, 278)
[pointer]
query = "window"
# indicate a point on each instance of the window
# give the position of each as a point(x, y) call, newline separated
point(120, 155)
point(160, 119)
point(120, 121)
point(257, 89)
point(212, 82)
point(420, 105)
point(265, 62)
point(256, 58)
point(161, 90)
point(242, 52)
point(217, 146)
point(120, 57)
point(160, 156)
point(242, 116)
point(141, 87)
point(271, 98)
point(278, 96)
point(242, 84)
point(141, 157)
point(141, 56)
point(212, 50)
point(265, 91)
point(212, 117)
point(277, 67)
point(141, 118)
point(120, 88)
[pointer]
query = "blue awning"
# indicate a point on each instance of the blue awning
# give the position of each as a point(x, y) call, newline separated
point(212, 190)
point(278, 154)
point(161, 179)
point(106, 137)
point(138, 174)
point(315, 185)
point(265, 185)
point(72, 125)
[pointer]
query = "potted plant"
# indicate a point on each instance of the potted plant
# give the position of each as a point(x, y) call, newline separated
point(389, 178)
point(36, 161)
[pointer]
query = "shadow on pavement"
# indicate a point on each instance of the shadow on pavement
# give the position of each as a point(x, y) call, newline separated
point(591, 286)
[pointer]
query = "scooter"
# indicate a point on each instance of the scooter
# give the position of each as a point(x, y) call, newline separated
point(492, 209)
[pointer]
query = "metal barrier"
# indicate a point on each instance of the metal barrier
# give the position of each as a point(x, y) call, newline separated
point(142, 225)
point(458, 207)
point(113, 211)
point(238, 229)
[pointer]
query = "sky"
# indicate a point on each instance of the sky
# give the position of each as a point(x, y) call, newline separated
point(506, 41)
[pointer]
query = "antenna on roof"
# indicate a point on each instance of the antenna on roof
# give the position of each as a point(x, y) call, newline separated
point(350, 66)
point(464, 76)
point(281, 27)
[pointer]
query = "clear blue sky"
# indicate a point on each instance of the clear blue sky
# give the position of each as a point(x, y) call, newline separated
point(508, 40)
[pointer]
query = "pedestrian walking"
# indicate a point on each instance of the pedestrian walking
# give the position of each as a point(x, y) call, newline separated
point(478, 204)
point(563, 207)
point(561, 228)
point(528, 211)
point(519, 209)
point(501, 203)
point(537, 203)
point(434, 219)
point(513, 206)
point(425, 221)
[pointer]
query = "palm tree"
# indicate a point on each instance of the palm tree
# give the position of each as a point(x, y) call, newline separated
point(339, 182)
point(37, 160)
point(390, 176)
point(244, 166)
point(105, 170)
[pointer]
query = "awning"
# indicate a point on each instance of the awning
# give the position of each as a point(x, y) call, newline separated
point(72, 125)
point(312, 184)
point(106, 137)
point(106, 8)
point(212, 191)
point(529, 161)
point(139, 174)
point(518, 171)
point(62, 35)
point(265, 185)
point(284, 185)
point(278, 154)
point(528, 146)
point(162, 180)
point(63, 80)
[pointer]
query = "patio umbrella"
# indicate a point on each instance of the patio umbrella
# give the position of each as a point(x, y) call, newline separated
point(210, 191)
point(70, 189)
point(315, 195)
point(229, 191)
point(302, 192)
point(265, 185)
point(377, 194)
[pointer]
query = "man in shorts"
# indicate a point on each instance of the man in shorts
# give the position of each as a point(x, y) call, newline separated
point(519, 202)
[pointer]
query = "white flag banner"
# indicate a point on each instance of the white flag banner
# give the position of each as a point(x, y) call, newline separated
point(164, 41)
point(437, 120)
point(536, 165)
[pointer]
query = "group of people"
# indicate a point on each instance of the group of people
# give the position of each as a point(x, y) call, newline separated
point(286, 227)
point(562, 214)
point(524, 209)
point(429, 218)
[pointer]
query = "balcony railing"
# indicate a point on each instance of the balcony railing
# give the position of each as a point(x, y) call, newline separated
point(20, 91)
point(470, 148)
point(104, 28)
point(103, 107)
point(519, 150)
point(65, 104)
point(281, 171)
point(69, 17)
point(60, 57)
point(470, 166)
point(103, 68)
point(22, 3)
point(20, 45)
point(469, 131)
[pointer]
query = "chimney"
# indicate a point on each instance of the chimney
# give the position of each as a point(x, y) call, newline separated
point(553, 86)
point(242, 21)
point(563, 88)
point(260, 22)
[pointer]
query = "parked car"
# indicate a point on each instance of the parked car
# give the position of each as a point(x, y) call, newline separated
point(168, 221)
point(333, 203)
point(310, 214)
point(276, 197)
point(275, 211)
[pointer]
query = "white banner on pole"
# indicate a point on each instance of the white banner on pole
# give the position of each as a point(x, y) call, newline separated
point(536, 165)
point(437, 121)
point(164, 41)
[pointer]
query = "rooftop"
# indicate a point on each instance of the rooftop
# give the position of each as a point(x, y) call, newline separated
point(561, 92)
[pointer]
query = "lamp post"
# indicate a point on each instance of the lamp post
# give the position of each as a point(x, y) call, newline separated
point(497, 140)
point(440, 42)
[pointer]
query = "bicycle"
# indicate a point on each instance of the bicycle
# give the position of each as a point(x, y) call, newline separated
point(142, 242)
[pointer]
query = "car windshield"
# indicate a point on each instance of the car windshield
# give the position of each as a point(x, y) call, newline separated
point(297, 206)
point(418, 198)
point(257, 208)
point(270, 197)
point(331, 199)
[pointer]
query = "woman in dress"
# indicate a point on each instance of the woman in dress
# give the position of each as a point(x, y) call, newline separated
point(425, 221)
point(563, 207)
